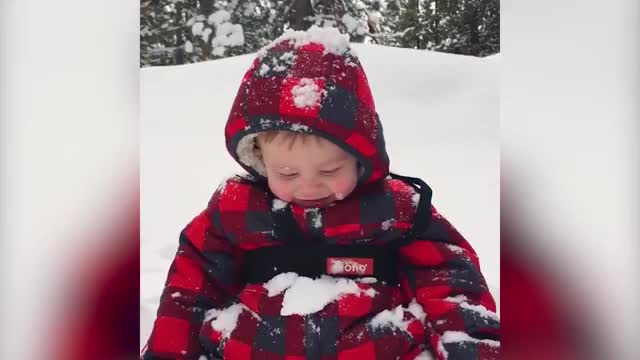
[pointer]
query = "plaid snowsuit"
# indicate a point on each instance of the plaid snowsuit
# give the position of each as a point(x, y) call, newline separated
point(245, 236)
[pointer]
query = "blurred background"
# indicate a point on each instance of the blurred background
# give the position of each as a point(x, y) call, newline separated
point(174, 32)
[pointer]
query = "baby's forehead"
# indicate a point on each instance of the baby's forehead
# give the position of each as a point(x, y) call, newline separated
point(293, 143)
point(287, 137)
point(320, 158)
point(301, 150)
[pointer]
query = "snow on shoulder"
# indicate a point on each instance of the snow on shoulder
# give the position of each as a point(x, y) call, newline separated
point(227, 181)
point(333, 41)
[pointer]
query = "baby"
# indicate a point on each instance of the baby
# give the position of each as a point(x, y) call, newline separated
point(319, 252)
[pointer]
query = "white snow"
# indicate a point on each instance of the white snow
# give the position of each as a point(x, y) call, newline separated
point(308, 296)
point(218, 51)
point(219, 17)
point(306, 93)
point(264, 68)
point(348, 61)
point(442, 350)
point(415, 198)
point(425, 355)
point(374, 17)
point(205, 34)
point(280, 283)
point(228, 34)
point(191, 21)
point(353, 25)
point(386, 225)
point(323, 290)
point(333, 41)
point(440, 115)
point(188, 46)
point(483, 311)
point(459, 336)
point(288, 56)
point(480, 309)
point(196, 29)
point(417, 310)
point(225, 320)
point(393, 318)
point(456, 249)
point(249, 9)
point(456, 299)
point(371, 292)
point(300, 128)
point(279, 204)
point(222, 185)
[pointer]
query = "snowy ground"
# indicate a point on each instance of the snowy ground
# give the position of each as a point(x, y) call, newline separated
point(440, 114)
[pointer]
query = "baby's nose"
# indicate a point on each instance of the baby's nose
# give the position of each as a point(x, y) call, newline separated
point(311, 185)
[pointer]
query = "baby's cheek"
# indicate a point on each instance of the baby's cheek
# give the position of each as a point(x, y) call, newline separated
point(344, 186)
point(281, 191)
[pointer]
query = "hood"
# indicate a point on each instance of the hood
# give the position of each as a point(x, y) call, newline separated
point(308, 82)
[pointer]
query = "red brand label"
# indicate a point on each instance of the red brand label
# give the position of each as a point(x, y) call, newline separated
point(349, 266)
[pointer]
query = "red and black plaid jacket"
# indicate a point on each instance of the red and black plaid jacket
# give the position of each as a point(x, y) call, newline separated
point(436, 268)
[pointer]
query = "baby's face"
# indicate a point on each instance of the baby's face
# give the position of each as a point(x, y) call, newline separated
point(311, 173)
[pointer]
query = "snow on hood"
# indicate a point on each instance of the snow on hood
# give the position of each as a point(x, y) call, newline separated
point(308, 82)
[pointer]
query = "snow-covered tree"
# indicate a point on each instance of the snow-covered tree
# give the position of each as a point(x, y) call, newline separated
point(157, 32)
point(490, 30)
point(390, 27)
point(256, 19)
point(212, 35)
point(374, 17)
point(470, 27)
point(410, 25)
point(473, 28)
point(184, 31)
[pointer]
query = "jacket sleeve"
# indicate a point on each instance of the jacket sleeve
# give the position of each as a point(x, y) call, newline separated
point(203, 275)
point(441, 271)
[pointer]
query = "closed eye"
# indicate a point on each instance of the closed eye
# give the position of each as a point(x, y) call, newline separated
point(330, 172)
point(288, 176)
